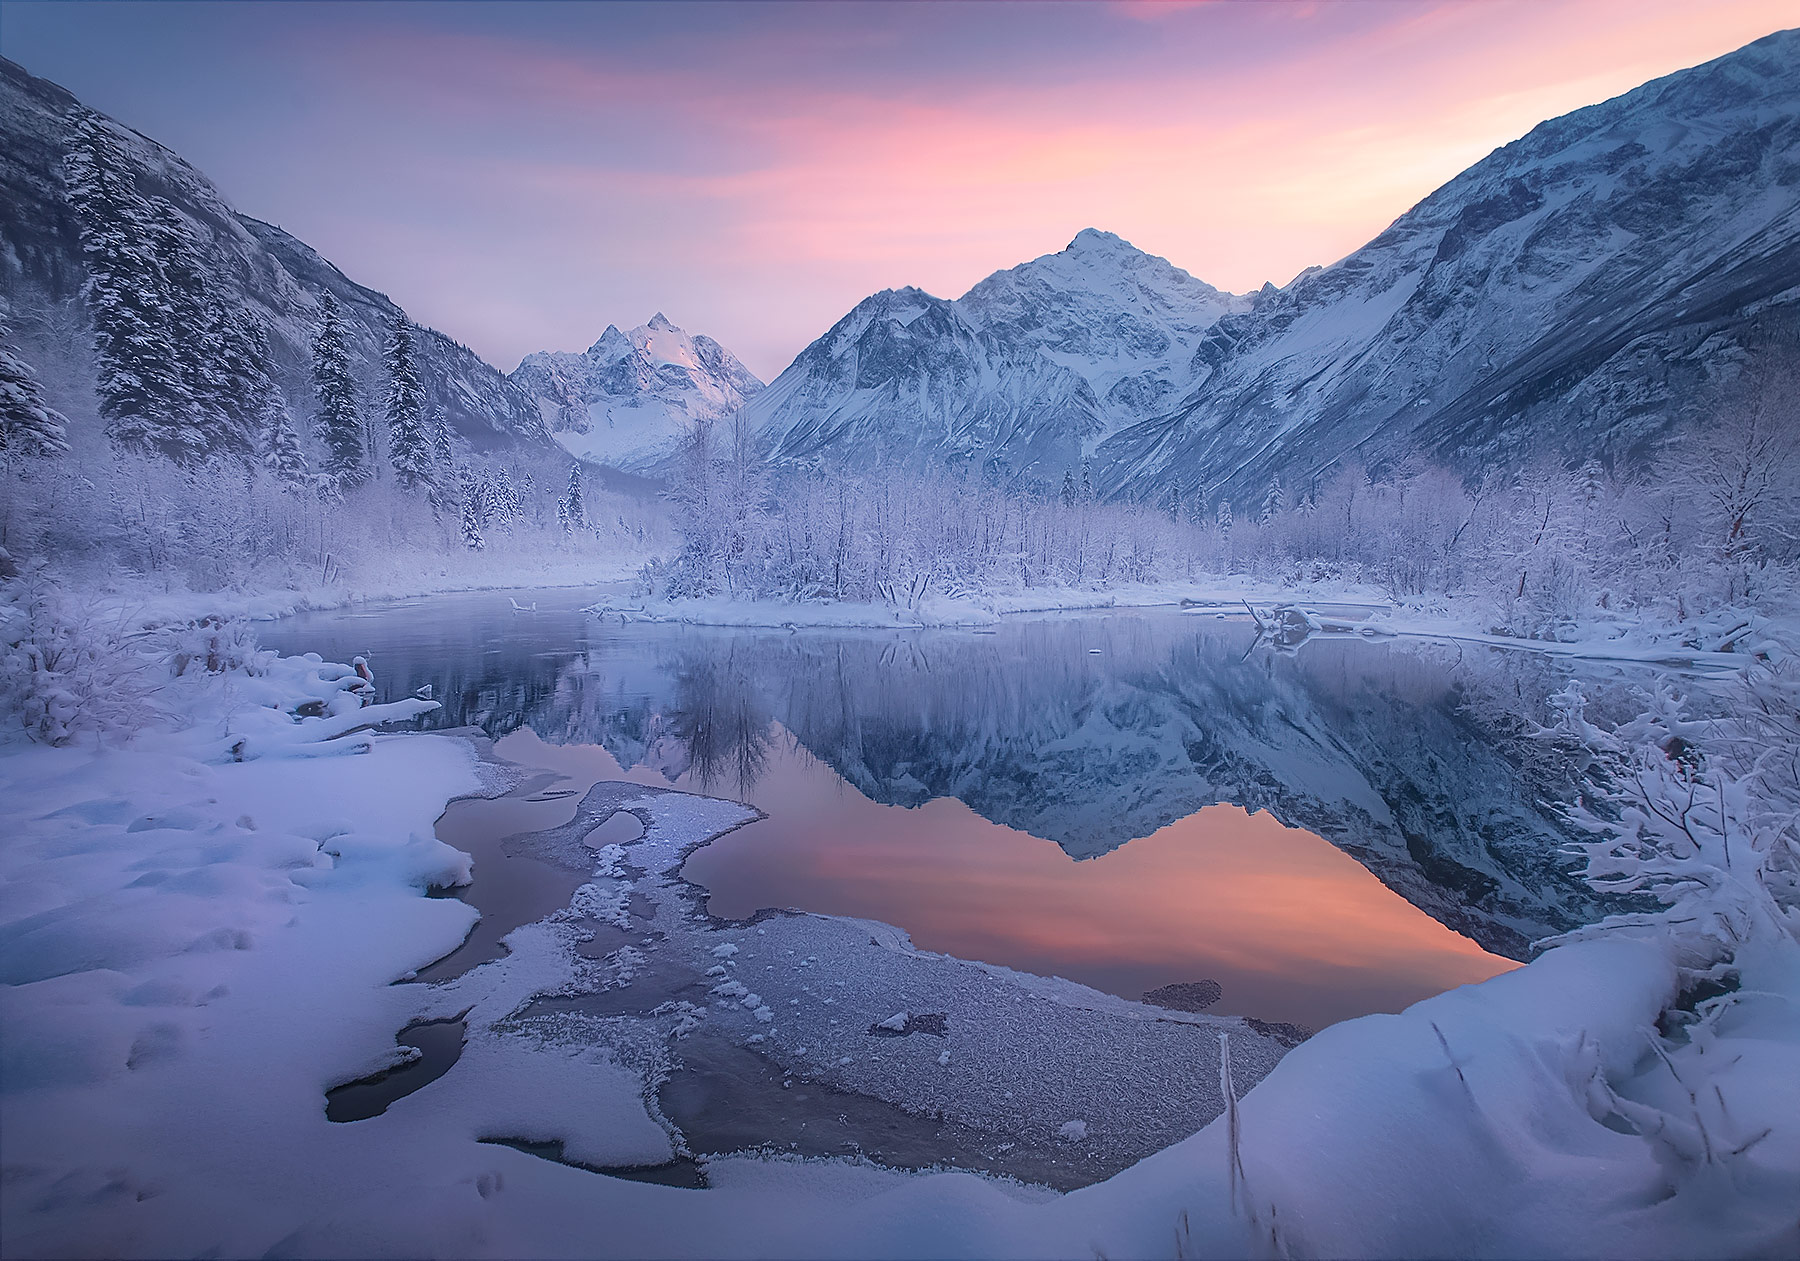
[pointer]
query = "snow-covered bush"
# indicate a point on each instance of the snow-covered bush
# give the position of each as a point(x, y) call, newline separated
point(209, 645)
point(65, 674)
point(1702, 814)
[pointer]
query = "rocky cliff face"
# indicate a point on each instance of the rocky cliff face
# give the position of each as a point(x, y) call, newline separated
point(249, 264)
point(630, 398)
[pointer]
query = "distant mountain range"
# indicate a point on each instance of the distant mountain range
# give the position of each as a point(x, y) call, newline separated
point(629, 398)
point(252, 265)
point(1582, 292)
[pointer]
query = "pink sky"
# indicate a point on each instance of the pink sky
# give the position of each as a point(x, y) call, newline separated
point(520, 176)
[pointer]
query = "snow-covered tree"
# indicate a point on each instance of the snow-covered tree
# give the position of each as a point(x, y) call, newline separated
point(409, 445)
point(246, 397)
point(572, 501)
point(1069, 493)
point(194, 333)
point(281, 444)
point(28, 425)
point(1736, 481)
point(146, 404)
point(1275, 502)
point(471, 524)
point(440, 443)
point(339, 423)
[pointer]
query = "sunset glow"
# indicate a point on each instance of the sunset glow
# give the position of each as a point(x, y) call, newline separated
point(757, 170)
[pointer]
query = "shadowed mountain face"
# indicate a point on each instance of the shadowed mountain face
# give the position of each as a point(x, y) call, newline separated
point(249, 265)
point(1580, 291)
point(1392, 752)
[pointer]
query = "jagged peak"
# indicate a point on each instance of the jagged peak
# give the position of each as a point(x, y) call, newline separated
point(610, 341)
point(659, 323)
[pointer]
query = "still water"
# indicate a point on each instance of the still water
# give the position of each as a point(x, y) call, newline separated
point(1129, 800)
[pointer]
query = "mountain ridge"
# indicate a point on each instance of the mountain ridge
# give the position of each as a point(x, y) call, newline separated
point(251, 265)
point(1583, 291)
point(1027, 372)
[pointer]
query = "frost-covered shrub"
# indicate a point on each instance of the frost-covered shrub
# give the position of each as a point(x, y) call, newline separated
point(64, 674)
point(1702, 814)
point(210, 645)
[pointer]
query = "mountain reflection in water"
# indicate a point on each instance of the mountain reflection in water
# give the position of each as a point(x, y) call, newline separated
point(998, 743)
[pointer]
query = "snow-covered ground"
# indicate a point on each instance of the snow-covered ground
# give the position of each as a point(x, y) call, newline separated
point(195, 948)
point(984, 610)
point(134, 602)
point(1725, 641)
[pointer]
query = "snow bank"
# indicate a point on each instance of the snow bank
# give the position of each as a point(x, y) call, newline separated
point(195, 948)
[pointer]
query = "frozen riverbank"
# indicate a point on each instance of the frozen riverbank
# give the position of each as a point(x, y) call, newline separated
point(198, 948)
point(1723, 641)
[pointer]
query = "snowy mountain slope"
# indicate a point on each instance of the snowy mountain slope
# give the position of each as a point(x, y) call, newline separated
point(1580, 291)
point(1125, 321)
point(1028, 371)
point(249, 263)
point(630, 397)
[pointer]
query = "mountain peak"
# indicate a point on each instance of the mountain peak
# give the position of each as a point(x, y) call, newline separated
point(1095, 241)
point(659, 323)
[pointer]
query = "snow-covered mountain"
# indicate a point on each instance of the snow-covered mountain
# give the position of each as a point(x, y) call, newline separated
point(249, 264)
point(1027, 372)
point(630, 397)
point(1580, 291)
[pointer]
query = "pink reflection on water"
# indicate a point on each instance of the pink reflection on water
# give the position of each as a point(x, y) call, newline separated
point(1292, 928)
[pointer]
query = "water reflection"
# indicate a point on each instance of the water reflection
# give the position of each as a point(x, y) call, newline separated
point(1389, 751)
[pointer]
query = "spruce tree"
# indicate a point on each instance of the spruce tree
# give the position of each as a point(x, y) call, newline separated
point(1275, 502)
point(409, 446)
point(576, 509)
point(281, 444)
point(28, 426)
point(145, 403)
point(195, 333)
point(1087, 481)
point(1068, 488)
point(339, 424)
point(471, 523)
point(246, 394)
point(440, 443)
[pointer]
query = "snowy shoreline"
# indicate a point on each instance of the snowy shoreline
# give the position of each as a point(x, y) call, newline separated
point(1376, 617)
point(180, 926)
